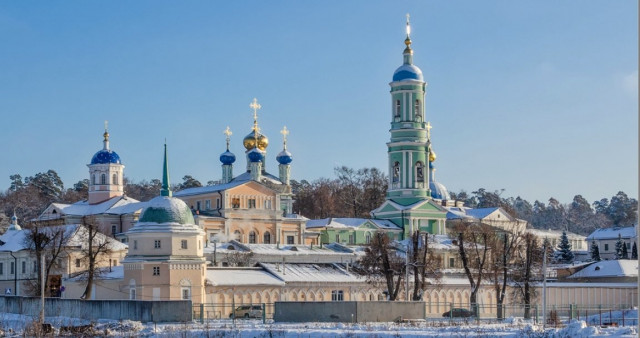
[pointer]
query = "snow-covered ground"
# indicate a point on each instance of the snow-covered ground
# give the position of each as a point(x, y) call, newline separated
point(13, 325)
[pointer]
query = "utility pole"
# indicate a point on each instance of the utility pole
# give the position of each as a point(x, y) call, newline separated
point(544, 286)
point(41, 287)
point(406, 274)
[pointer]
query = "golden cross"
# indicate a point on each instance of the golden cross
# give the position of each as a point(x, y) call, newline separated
point(408, 25)
point(228, 133)
point(284, 133)
point(106, 125)
point(429, 130)
point(255, 106)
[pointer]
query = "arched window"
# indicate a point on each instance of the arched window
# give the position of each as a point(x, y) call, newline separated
point(419, 172)
point(252, 237)
point(418, 111)
point(267, 237)
point(237, 235)
point(396, 172)
point(103, 179)
point(367, 238)
point(114, 179)
point(93, 179)
point(397, 110)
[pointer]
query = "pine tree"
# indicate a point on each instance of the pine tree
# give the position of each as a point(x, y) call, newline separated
point(625, 252)
point(595, 252)
point(565, 255)
point(619, 246)
point(634, 251)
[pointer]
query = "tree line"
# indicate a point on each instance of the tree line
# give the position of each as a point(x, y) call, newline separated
point(351, 193)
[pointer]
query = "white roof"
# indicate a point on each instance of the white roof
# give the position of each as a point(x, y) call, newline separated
point(114, 272)
point(74, 233)
point(611, 268)
point(115, 205)
point(238, 180)
point(541, 233)
point(312, 272)
point(242, 277)
point(612, 233)
point(350, 223)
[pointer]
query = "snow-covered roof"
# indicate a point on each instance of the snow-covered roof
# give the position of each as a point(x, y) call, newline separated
point(350, 223)
point(465, 212)
point(104, 273)
point(612, 233)
point(541, 233)
point(610, 268)
point(238, 180)
point(117, 206)
point(74, 234)
point(242, 277)
point(312, 272)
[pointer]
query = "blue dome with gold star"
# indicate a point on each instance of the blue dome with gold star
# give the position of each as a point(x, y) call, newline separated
point(106, 156)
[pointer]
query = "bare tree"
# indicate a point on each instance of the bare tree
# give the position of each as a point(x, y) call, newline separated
point(95, 248)
point(239, 258)
point(50, 241)
point(527, 270)
point(424, 264)
point(502, 250)
point(382, 264)
point(474, 251)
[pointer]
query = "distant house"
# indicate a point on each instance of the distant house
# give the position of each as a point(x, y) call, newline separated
point(606, 240)
point(352, 231)
point(611, 271)
point(578, 242)
point(495, 217)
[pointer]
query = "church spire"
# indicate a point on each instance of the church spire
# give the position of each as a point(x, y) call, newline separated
point(408, 52)
point(106, 135)
point(166, 185)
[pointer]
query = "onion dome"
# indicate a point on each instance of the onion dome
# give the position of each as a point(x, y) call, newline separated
point(432, 156)
point(106, 155)
point(249, 141)
point(408, 71)
point(227, 157)
point(439, 191)
point(166, 209)
point(255, 155)
point(284, 157)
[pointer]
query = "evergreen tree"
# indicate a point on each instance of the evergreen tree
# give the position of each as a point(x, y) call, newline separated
point(634, 251)
point(619, 245)
point(564, 255)
point(625, 252)
point(595, 252)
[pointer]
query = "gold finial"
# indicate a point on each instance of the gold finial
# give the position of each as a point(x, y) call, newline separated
point(228, 133)
point(407, 41)
point(429, 130)
point(284, 133)
point(106, 132)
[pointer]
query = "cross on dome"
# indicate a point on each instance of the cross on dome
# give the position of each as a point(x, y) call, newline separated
point(228, 133)
point(284, 133)
point(255, 106)
point(429, 130)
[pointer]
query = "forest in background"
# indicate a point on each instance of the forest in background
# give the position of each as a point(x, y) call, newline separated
point(351, 193)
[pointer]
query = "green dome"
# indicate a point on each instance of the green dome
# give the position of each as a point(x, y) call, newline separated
point(164, 209)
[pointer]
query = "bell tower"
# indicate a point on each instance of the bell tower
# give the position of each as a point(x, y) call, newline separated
point(105, 173)
point(408, 148)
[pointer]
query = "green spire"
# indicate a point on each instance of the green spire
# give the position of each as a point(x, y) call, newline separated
point(166, 187)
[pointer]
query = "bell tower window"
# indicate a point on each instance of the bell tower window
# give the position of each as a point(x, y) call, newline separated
point(114, 179)
point(93, 179)
point(396, 174)
point(418, 111)
point(396, 113)
point(103, 179)
point(420, 173)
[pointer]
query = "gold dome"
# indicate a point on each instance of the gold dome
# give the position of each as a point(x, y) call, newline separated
point(432, 156)
point(249, 141)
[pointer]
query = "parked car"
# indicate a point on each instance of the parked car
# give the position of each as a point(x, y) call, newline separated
point(247, 311)
point(457, 313)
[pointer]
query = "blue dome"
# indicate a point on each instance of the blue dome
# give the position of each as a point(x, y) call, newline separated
point(408, 72)
point(105, 156)
point(227, 157)
point(439, 191)
point(284, 157)
point(255, 155)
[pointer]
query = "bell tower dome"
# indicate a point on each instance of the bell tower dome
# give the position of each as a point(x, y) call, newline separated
point(105, 173)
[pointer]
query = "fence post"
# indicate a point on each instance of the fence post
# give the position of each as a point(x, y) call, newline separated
point(600, 313)
point(535, 313)
point(622, 317)
point(264, 313)
point(450, 311)
point(570, 312)
point(201, 313)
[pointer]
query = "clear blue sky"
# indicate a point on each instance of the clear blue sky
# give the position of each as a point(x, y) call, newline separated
point(539, 98)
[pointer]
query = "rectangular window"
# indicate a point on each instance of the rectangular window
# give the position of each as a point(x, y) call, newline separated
point(156, 244)
point(235, 203)
point(452, 262)
point(156, 271)
point(186, 294)
point(13, 268)
point(35, 266)
point(207, 204)
point(606, 247)
point(252, 203)
point(77, 262)
point(352, 239)
point(1, 269)
point(24, 267)
point(628, 245)
point(198, 205)
point(132, 294)
point(291, 240)
point(217, 204)
point(337, 295)
point(183, 244)
point(135, 244)
point(114, 229)
point(267, 204)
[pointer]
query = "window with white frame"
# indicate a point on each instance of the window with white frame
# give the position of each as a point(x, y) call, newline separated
point(183, 244)
point(12, 268)
point(337, 295)
point(132, 294)
point(24, 267)
point(207, 204)
point(77, 262)
point(186, 293)
point(1, 268)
